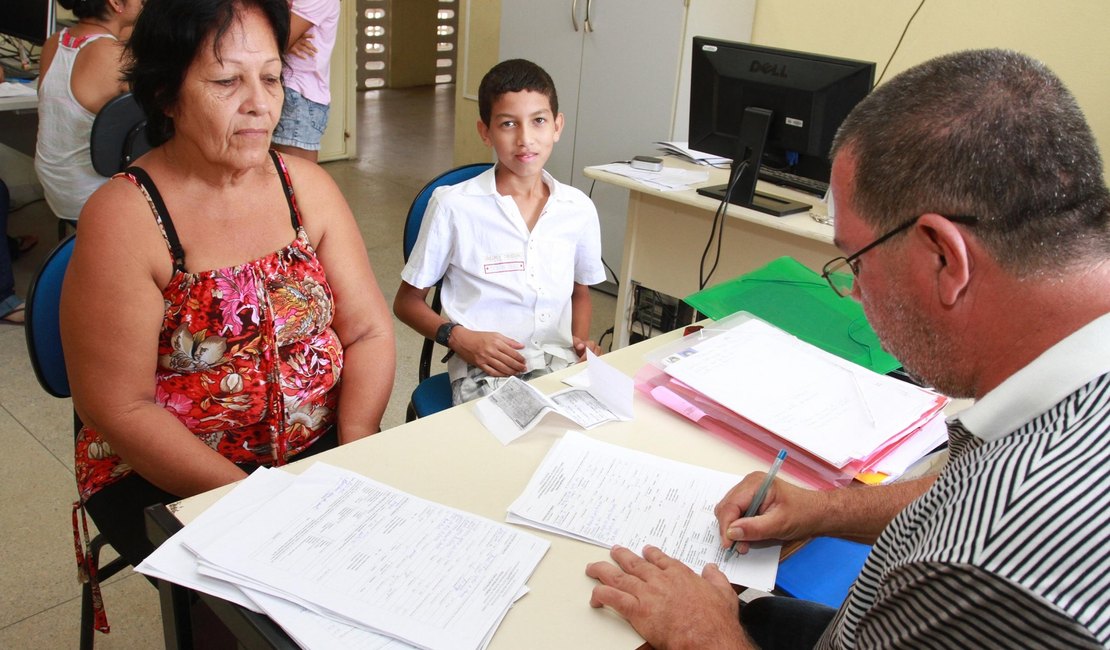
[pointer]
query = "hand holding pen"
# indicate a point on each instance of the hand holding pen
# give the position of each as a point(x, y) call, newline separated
point(760, 495)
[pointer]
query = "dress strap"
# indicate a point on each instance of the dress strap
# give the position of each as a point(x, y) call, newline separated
point(287, 187)
point(169, 233)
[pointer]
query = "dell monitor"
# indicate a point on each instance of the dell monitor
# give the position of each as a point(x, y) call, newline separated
point(771, 108)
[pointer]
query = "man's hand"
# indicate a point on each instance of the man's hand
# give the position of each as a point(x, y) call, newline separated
point(581, 345)
point(667, 603)
point(788, 513)
point(495, 354)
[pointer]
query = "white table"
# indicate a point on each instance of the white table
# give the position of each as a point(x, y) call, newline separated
point(667, 232)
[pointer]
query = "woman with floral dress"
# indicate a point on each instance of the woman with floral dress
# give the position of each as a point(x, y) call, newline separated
point(220, 312)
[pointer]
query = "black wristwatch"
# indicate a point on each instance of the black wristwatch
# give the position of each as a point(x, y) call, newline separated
point(443, 334)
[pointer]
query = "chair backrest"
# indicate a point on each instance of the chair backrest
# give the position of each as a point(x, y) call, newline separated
point(42, 322)
point(420, 203)
point(412, 230)
point(118, 135)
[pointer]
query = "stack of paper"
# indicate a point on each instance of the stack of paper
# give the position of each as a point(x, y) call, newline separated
point(828, 411)
point(683, 150)
point(608, 495)
point(339, 560)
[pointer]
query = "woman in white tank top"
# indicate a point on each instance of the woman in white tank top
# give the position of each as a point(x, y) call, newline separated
point(80, 70)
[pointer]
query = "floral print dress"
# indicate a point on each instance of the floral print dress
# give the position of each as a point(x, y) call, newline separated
point(247, 359)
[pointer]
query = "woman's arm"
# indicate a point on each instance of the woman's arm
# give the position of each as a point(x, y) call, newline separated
point(362, 319)
point(111, 316)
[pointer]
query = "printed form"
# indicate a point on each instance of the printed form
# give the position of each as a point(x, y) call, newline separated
point(609, 495)
point(344, 545)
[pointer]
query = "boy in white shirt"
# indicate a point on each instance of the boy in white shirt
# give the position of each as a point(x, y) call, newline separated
point(516, 249)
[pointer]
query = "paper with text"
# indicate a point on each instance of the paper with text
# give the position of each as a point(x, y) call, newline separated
point(828, 406)
point(377, 557)
point(609, 495)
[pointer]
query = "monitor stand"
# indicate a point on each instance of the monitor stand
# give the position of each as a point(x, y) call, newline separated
point(753, 137)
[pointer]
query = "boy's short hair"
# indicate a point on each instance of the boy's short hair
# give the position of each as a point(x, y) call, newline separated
point(513, 76)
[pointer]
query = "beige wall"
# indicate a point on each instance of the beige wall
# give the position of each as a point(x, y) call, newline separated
point(412, 43)
point(479, 28)
point(1068, 35)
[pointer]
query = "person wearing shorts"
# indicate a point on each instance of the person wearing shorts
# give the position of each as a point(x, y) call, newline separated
point(313, 25)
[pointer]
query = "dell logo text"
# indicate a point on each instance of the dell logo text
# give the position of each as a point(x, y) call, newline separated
point(769, 69)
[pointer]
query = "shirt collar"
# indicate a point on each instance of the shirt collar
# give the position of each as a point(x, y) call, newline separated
point(1058, 372)
point(485, 184)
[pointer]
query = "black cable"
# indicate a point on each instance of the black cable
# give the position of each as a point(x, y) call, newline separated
point(899, 44)
point(717, 228)
point(616, 280)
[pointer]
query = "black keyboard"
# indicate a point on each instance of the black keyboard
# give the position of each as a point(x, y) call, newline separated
point(793, 181)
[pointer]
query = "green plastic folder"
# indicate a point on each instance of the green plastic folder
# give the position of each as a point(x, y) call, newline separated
point(797, 300)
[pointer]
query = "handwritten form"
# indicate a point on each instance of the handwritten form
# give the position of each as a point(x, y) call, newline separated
point(831, 407)
point(609, 495)
point(343, 545)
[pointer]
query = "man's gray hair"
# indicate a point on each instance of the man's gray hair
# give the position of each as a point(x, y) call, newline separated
point(988, 133)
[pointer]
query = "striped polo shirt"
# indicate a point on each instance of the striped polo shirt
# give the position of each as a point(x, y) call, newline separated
point(1011, 546)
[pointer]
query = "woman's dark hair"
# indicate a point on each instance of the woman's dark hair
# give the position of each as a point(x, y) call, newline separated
point(167, 38)
point(86, 8)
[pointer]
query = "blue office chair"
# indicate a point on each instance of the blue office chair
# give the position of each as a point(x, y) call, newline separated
point(433, 393)
point(44, 345)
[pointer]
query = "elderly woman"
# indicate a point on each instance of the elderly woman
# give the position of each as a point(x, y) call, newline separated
point(220, 312)
point(81, 69)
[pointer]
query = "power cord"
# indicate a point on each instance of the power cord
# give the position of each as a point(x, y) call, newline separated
point(717, 228)
point(899, 44)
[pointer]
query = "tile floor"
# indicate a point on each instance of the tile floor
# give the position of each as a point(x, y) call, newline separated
point(405, 138)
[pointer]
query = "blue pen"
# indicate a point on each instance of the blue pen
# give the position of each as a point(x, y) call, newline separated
point(760, 494)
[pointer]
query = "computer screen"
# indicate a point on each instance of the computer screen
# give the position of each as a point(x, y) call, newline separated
point(781, 106)
point(28, 20)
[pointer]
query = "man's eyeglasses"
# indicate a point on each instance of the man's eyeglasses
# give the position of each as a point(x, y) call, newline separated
point(841, 272)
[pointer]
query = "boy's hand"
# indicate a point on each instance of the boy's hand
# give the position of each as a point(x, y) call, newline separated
point(580, 347)
point(495, 354)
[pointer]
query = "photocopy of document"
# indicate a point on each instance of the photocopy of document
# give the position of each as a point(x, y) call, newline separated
point(608, 495)
point(603, 395)
point(828, 406)
point(347, 546)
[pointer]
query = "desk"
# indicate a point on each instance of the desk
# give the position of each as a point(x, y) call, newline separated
point(667, 231)
point(450, 458)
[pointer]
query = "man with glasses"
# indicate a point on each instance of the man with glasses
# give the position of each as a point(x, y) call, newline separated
point(975, 222)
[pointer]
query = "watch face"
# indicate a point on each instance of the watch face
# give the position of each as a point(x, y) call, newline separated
point(444, 333)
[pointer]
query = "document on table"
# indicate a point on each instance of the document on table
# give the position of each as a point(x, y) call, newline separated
point(666, 179)
point(605, 395)
point(609, 495)
point(354, 549)
point(828, 406)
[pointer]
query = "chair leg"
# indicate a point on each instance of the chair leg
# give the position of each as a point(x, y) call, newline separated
point(410, 413)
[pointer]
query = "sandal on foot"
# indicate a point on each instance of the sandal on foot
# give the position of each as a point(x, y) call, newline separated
point(21, 244)
point(14, 317)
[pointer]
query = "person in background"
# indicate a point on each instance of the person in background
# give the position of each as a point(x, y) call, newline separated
point(80, 70)
point(11, 305)
point(516, 249)
point(975, 222)
point(246, 328)
point(17, 245)
point(313, 25)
